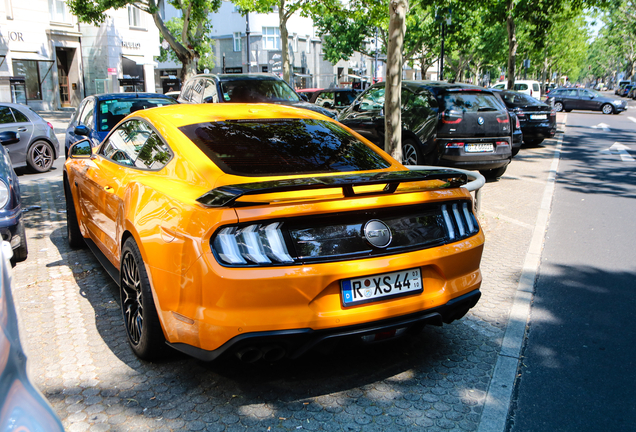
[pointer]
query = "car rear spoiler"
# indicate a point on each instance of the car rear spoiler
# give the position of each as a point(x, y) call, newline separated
point(226, 196)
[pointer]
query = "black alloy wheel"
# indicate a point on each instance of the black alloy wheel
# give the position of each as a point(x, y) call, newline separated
point(40, 156)
point(410, 153)
point(145, 335)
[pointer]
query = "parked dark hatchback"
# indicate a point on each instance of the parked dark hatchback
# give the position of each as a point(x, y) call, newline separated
point(244, 88)
point(537, 119)
point(455, 125)
point(569, 98)
point(98, 114)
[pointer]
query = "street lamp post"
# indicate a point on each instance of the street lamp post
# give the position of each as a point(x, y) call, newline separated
point(445, 19)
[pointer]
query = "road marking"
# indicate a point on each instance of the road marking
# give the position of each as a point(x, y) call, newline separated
point(632, 119)
point(603, 126)
point(619, 149)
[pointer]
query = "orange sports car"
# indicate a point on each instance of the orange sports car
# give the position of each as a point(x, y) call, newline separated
point(265, 231)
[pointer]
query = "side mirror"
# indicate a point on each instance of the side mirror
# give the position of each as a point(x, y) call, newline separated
point(81, 150)
point(82, 130)
point(9, 137)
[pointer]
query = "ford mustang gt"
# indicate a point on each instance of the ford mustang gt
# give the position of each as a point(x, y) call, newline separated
point(265, 231)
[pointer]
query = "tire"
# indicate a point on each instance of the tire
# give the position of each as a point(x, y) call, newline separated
point(143, 329)
point(21, 252)
point(411, 153)
point(607, 109)
point(558, 106)
point(40, 156)
point(75, 239)
point(495, 173)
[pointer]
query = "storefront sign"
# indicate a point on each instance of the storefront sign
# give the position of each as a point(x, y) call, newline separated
point(16, 36)
point(132, 45)
point(112, 71)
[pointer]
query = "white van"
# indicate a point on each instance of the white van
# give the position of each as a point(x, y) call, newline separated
point(528, 87)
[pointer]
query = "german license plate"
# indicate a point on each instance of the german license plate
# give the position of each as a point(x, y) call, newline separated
point(381, 286)
point(538, 116)
point(479, 148)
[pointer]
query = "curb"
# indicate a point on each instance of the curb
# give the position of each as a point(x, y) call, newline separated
point(499, 394)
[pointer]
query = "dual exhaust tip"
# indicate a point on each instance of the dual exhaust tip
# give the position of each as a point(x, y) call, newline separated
point(270, 353)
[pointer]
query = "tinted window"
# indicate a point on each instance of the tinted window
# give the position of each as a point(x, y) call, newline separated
point(520, 87)
point(282, 146)
point(519, 99)
point(325, 99)
point(472, 102)
point(372, 99)
point(19, 117)
point(111, 112)
point(86, 117)
point(344, 98)
point(267, 90)
point(5, 115)
point(135, 144)
point(535, 87)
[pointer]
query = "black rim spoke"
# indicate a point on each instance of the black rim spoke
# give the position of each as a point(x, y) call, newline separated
point(132, 301)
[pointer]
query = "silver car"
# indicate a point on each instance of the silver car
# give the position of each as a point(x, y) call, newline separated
point(37, 146)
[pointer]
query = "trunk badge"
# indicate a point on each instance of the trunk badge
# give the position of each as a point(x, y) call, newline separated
point(480, 120)
point(377, 233)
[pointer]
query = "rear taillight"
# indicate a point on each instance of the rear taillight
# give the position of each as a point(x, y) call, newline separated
point(50, 125)
point(460, 221)
point(502, 143)
point(503, 120)
point(519, 112)
point(254, 244)
point(454, 145)
point(452, 116)
point(517, 124)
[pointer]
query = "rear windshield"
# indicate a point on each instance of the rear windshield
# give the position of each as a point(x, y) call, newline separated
point(519, 99)
point(282, 146)
point(111, 111)
point(262, 90)
point(472, 102)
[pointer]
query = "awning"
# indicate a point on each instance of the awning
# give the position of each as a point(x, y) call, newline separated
point(24, 55)
point(140, 60)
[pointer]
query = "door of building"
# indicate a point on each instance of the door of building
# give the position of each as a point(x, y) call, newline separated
point(62, 76)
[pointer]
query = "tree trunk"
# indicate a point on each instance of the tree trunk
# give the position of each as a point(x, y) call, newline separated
point(393, 92)
point(186, 56)
point(284, 36)
point(512, 45)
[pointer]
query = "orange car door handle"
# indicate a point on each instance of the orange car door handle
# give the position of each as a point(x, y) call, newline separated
point(109, 189)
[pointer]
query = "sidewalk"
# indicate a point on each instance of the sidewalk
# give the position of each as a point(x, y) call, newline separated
point(439, 381)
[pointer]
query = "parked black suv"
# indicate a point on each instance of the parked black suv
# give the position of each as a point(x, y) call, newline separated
point(244, 88)
point(537, 119)
point(456, 125)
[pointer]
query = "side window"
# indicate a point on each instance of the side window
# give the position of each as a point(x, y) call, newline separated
point(185, 91)
point(325, 99)
point(19, 117)
point(210, 95)
point(535, 87)
point(86, 118)
point(5, 115)
point(520, 87)
point(197, 91)
point(135, 144)
point(372, 100)
point(571, 93)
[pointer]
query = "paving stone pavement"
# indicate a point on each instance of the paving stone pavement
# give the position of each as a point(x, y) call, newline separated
point(438, 381)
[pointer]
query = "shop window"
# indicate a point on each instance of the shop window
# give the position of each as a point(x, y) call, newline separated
point(237, 41)
point(30, 71)
point(135, 18)
point(271, 38)
point(59, 11)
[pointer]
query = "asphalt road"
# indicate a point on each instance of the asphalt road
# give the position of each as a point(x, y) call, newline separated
point(576, 373)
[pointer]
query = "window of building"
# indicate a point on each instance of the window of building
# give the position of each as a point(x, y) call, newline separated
point(30, 71)
point(271, 38)
point(308, 44)
point(295, 43)
point(237, 41)
point(134, 17)
point(59, 11)
point(8, 7)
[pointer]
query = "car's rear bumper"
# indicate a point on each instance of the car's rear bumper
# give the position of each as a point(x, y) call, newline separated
point(9, 227)
point(295, 342)
point(456, 156)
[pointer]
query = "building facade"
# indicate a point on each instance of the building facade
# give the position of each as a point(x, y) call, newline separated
point(49, 61)
point(231, 31)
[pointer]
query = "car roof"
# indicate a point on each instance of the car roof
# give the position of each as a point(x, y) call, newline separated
point(108, 96)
